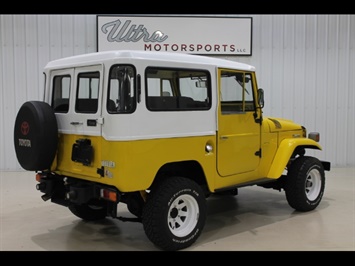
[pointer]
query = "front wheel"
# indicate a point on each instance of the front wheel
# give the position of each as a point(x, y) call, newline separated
point(174, 214)
point(305, 183)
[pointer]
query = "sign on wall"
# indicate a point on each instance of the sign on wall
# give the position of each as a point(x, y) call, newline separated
point(183, 34)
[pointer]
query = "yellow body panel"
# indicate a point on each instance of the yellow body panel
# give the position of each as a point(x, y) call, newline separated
point(65, 166)
point(133, 165)
point(238, 141)
point(284, 152)
point(269, 145)
point(232, 161)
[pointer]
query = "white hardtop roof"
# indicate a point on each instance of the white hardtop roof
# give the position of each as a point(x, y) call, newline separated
point(100, 57)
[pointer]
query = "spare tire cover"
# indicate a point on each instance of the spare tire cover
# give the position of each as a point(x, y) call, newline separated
point(35, 135)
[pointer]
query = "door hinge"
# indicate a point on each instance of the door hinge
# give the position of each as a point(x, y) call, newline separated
point(258, 153)
point(258, 120)
point(100, 120)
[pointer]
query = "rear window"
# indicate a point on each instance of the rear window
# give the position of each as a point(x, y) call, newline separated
point(61, 93)
point(87, 97)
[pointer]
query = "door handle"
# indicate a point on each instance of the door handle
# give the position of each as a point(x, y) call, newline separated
point(76, 123)
point(224, 137)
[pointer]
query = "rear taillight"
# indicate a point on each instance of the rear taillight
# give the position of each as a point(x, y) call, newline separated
point(40, 175)
point(108, 194)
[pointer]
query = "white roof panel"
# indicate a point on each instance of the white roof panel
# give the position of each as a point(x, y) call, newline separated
point(99, 57)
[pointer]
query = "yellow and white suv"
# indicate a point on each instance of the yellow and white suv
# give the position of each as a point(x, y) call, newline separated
point(160, 132)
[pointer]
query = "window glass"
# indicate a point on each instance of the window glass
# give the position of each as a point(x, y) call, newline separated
point(61, 93)
point(177, 89)
point(87, 92)
point(121, 93)
point(236, 92)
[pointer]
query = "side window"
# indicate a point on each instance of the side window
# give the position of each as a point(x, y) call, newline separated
point(87, 92)
point(61, 92)
point(170, 89)
point(236, 92)
point(121, 91)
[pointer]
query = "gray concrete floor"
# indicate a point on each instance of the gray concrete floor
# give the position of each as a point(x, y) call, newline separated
point(257, 219)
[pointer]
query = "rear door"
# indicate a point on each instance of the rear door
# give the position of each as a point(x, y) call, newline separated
point(86, 112)
point(76, 100)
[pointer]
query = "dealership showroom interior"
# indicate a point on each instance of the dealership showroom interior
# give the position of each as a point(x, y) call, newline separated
point(165, 132)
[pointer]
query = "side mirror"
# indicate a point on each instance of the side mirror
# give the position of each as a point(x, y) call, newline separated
point(261, 97)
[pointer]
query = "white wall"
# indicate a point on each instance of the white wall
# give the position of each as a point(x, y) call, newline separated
point(305, 64)
point(28, 42)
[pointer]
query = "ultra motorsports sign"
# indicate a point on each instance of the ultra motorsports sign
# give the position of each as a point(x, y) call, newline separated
point(183, 34)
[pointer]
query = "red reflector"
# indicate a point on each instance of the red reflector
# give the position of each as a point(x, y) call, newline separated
point(38, 177)
point(109, 195)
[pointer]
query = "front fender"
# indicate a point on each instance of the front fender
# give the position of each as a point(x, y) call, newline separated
point(284, 153)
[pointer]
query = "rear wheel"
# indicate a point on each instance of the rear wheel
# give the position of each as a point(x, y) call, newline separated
point(305, 183)
point(175, 213)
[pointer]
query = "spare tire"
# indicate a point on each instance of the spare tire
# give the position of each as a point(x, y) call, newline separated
point(35, 135)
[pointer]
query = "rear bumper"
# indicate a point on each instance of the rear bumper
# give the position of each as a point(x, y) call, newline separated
point(66, 191)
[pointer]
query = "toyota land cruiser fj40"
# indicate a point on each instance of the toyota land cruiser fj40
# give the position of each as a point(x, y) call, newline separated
point(160, 132)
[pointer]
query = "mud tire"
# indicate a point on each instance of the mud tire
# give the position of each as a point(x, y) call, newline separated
point(305, 183)
point(175, 213)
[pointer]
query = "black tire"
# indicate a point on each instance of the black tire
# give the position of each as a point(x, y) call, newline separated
point(35, 136)
point(305, 183)
point(174, 214)
point(88, 212)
